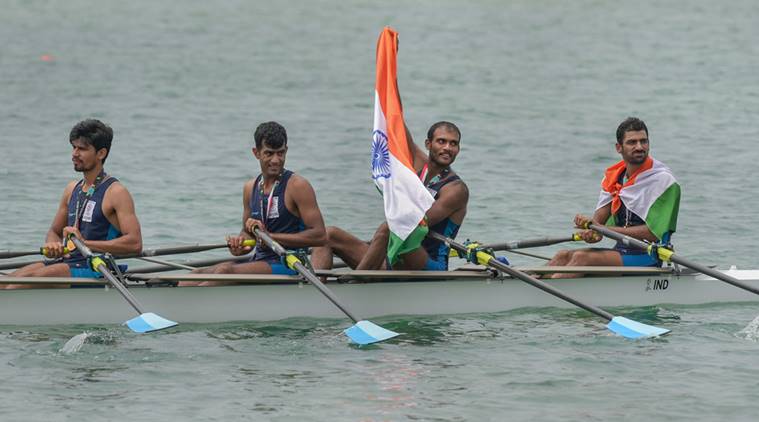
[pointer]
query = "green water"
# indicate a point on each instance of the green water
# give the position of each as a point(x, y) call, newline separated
point(537, 88)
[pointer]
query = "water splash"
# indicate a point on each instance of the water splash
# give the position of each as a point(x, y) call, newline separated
point(75, 343)
point(751, 331)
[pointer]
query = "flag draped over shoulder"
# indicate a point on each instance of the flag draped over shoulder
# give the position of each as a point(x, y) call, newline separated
point(405, 197)
point(652, 193)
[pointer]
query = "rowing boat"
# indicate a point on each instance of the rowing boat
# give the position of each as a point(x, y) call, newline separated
point(470, 289)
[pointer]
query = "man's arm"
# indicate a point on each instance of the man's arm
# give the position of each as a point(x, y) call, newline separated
point(118, 207)
point(601, 216)
point(418, 156)
point(53, 239)
point(303, 198)
point(451, 199)
point(235, 242)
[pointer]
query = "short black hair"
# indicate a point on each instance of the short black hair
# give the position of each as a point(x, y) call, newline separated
point(443, 124)
point(95, 133)
point(631, 124)
point(272, 134)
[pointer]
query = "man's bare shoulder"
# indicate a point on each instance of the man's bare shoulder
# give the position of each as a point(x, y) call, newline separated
point(118, 190)
point(249, 184)
point(457, 187)
point(70, 187)
point(299, 182)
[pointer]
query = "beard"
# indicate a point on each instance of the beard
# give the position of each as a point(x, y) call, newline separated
point(637, 159)
point(82, 168)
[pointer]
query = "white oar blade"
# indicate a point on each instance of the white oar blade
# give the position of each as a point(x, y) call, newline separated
point(148, 322)
point(633, 329)
point(367, 332)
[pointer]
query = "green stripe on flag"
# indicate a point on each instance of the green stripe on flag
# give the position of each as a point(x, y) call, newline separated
point(397, 246)
point(662, 216)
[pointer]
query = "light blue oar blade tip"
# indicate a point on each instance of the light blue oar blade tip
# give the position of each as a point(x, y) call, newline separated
point(148, 322)
point(633, 329)
point(367, 332)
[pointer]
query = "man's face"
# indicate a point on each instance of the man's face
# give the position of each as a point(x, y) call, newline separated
point(443, 147)
point(272, 160)
point(84, 156)
point(634, 147)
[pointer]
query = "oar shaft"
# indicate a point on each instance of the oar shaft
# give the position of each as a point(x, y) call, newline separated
point(307, 274)
point(14, 265)
point(168, 264)
point(103, 269)
point(491, 261)
point(195, 264)
point(15, 254)
point(529, 243)
point(175, 250)
point(671, 256)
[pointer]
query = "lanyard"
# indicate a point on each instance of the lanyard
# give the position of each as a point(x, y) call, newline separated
point(265, 216)
point(82, 197)
point(423, 175)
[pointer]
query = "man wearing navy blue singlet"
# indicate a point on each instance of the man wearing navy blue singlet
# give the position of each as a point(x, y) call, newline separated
point(278, 202)
point(97, 209)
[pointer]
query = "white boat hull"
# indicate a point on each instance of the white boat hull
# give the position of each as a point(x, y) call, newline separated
point(266, 302)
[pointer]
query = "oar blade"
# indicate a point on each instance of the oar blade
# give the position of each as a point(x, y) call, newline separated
point(147, 322)
point(634, 329)
point(367, 332)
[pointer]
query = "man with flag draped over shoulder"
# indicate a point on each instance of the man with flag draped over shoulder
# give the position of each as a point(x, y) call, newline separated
point(420, 190)
point(640, 198)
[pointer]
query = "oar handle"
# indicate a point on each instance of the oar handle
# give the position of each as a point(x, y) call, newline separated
point(43, 250)
point(531, 243)
point(484, 258)
point(295, 263)
point(666, 254)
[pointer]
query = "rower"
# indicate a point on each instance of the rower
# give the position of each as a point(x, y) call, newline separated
point(445, 216)
point(279, 203)
point(639, 197)
point(97, 209)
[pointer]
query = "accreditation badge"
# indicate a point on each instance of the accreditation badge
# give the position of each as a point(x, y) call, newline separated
point(89, 209)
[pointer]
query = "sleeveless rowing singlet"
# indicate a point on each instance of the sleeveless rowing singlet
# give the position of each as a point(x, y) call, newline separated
point(437, 250)
point(272, 211)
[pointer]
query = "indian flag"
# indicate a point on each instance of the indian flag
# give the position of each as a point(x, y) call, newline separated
point(652, 193)
point(405, 197)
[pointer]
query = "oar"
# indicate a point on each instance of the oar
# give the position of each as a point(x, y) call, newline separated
point(620, 325)
point(532, 243)
point(526, 243)
point(145, 321)
point(171, 250)
point(14, 254)
point(174, 265)
point(363, 331)
point(14, 265)
point(666, 254)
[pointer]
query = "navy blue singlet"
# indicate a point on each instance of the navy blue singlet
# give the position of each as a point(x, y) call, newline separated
point(279, 218)
point(92, 221)
point(437, 250)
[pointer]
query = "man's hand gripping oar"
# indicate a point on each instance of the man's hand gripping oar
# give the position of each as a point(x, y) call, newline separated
point(363, 331)
point(620, 325)
point(145, 321)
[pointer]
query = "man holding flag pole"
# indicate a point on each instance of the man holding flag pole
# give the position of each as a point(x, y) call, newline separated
point(420, 191)
point(640, 198)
